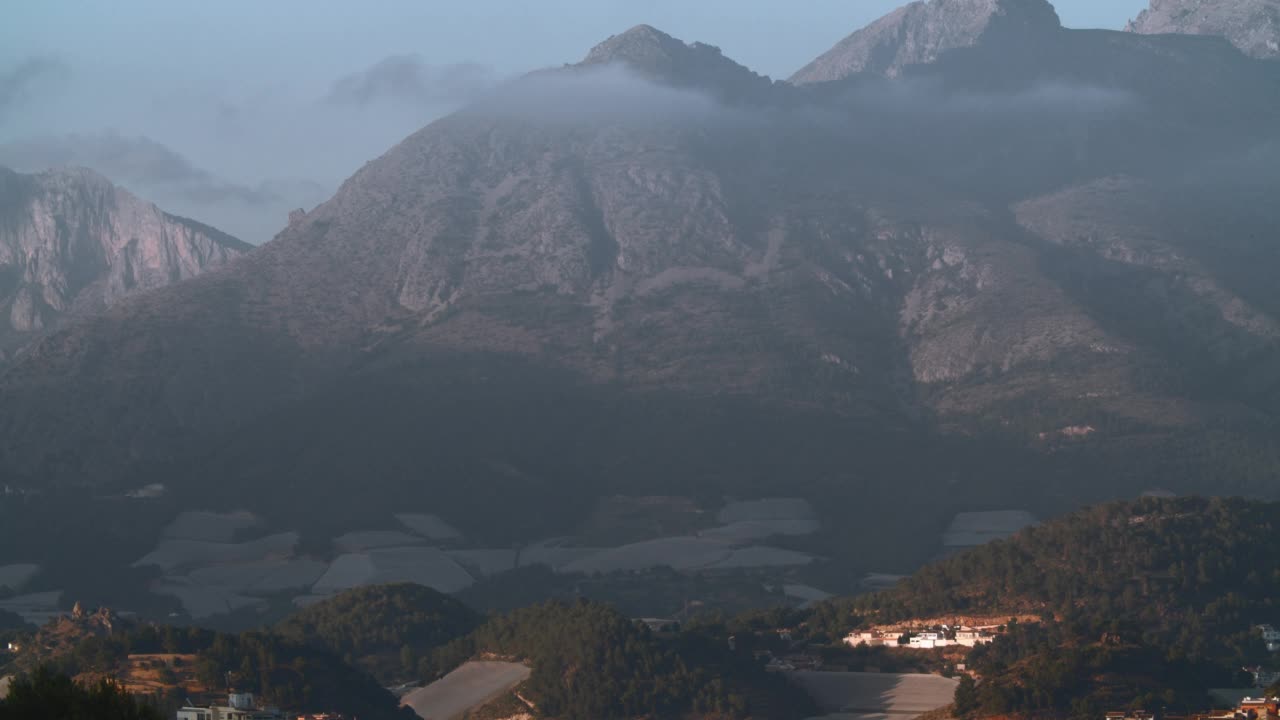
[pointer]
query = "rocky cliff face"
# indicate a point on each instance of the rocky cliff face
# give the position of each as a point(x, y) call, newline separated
point(1251, 25)
point(71, 242)
point(919, 33)
point(657, 281)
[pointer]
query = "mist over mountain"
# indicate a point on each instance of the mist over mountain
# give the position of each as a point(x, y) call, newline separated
point(968, 258)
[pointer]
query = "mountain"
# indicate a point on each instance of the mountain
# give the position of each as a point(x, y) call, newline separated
point(660, 57)
point(1251, 25)
point(1022, 275)
point(71, 243)
point(920, 32)
point(1138, 602)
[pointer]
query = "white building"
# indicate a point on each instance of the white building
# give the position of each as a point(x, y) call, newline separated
point(1270, 636)
point(870, 638)
point(928, 640)
point(973, 638)
point(240, 706)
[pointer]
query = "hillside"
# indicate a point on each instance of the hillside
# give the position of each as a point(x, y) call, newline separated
point(586, 659)
point(588, 662)
point(382, 629)
point(71, 243)
point(168, 665)
point(1019, 275)
point(1149, 601)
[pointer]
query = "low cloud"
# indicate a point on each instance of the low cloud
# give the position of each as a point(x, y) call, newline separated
point(612, 93)
point(24, 79)
point(408, 79)
point(135, 161)
point(161, 175)
point(928, 96)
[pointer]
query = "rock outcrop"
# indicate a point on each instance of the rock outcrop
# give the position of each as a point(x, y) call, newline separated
point(921, 32)
point(658, 56)
point(1251, 25)
point(73, 243)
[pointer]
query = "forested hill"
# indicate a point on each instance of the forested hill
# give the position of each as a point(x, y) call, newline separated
point(591, 662)
point(383, 629)
point(1141, 602)
point(1157, 561)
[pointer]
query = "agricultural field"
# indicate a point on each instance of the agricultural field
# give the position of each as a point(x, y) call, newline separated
point(210, 526)
point(971, 529)
point(422, 565)
point(876, 696)
point(16, 577)
point(469, 687)
point(35, 608)
point(429, 526)
point(213, 564)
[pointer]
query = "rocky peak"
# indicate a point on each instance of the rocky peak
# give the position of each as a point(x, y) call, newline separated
point(661, 57)
point(1251, 25)
point(919, 33)
point(70, 241)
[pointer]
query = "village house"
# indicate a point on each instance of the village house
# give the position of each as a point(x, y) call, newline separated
point(973, 638)
point(928, 640)
point(240, 706)
point(1263, 707)
point(870, 638)
point(1263, 678)
point(1270, 636)
point(1130, 715)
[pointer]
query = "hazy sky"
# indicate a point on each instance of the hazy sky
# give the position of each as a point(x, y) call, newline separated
point(248, 107)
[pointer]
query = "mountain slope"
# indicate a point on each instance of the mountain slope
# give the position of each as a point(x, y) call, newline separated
point(655, 272)
point(71, 243)
point(1251, 25)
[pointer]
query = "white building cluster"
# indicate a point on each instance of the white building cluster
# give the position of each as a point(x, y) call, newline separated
point(943, 636)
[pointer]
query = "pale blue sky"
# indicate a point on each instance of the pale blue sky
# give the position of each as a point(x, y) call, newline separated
point(774, 37)
point(236, 87)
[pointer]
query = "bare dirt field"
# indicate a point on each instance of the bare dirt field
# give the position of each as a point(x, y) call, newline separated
point(466, 688)
point(867, 696)
point(977, 528)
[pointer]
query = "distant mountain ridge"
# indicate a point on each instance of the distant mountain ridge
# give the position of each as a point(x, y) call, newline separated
point(73, 243)
point(920, 32)
point(1251, 25)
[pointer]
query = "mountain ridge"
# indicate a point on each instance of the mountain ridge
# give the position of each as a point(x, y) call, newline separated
point(72, 243)
point(1253, 26)
point(918, 33)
